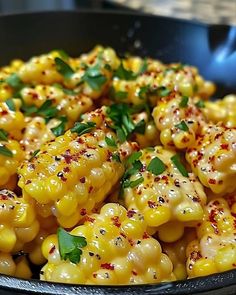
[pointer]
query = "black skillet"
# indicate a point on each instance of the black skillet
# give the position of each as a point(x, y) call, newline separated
point(212, 48)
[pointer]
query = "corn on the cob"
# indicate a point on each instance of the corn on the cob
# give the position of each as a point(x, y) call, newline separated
point(179, 120)
point(177, 252)
point(222, 110)
point(73, 173)
point(18, 224)
point(215, 249)
point(18, 267)
point(164, 194)
point(118, 251)
point(213, 157)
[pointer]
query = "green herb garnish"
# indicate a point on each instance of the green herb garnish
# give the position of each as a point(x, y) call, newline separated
point(34, 154)
point(63, 54)
point(156, 166)
point(10, 103)
point(110, 141)
point(143, 67)
point(143, 90)
point(63, 68)
point(184, 102)
point(182, 126)
point(116, 157)
point(200, 104)
point(60, 128)
point(123, 74)
point(3, 135)
point(46, 110)
point(94, 77)
point(177, 162)
point(5, 151)
point(70, 245)
point(15, 82)
point(82, 128)
point(134, 157)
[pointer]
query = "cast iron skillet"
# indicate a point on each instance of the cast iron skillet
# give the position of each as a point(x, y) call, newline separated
point(211, 48)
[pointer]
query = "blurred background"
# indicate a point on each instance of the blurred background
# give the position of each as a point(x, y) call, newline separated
point(209, 11)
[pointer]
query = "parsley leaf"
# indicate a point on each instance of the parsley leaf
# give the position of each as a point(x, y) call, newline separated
point(94, 77)
point(123, 74)
point(15, 82)
point(70, 245)
point(5, 151)
point(143, 67)
point(82, 128)
point(200, 104)
point(10, 103)
point(3, 135)
point(136, 182)
point(46, 110)
point(110, 141)
point(182, 126)
point(63, 54)
point(116, 157)
point(177, 162)
point(143, 90)
point(120, 114)
point(184, 102)
point(134, 157)
point(156, 166)
point(63, 68)
point(60, 128)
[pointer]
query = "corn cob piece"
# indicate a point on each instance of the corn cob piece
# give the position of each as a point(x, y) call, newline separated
point(213, 157)
point(18, 224)
point(118, 251)
point(177, 252)
point(222, 110)
point(148, 80)
point(162, 192)
point(215, 249)
point(12, 119)
point(18, 267)
point(11, 154)
point(73, 173)
point(68, 103)
point(179, 120)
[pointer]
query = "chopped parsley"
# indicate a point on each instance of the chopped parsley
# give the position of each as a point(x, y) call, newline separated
point(110, 141)
point(184, 102)
point(94, 77)
point(70, 245)
point(60, 128)
point(177, 162)
point(63, 54)
point(82, 128)
point(123, 124)
point(116, 157)
point(63, 68)
point(200, 104)
point(10, 103)
point(3, 135)
point(156, 166)
point(15, 82)
point(143, 67)
point(34, 154)
point(123, 74)
point(133, 183)
point(182, 126)
point(46, 110)
point(5, 151)
point(134, 157)
point(143, 90)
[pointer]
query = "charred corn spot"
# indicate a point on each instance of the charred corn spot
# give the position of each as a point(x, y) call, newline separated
point(9, 164)
point(166, 196)
point(12, 121)
point(214, 250)
point(212, 158)
point(222, 110)
point(18, 223)
point(179, 120)
point(76, 172)
point(118, 251)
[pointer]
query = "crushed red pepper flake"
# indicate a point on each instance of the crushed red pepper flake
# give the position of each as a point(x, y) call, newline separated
point(116, 221)
point(52, 249)
point(108, 266)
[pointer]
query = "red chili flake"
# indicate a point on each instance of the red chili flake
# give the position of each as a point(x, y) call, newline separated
point(212, 215)
point(212, 181)
point(216, 203)
point(211, 159)
point(156, 179)
point(28, 181)
point(3, 197)
point(146, 235)
point(234, 264)
point(152, 204)
point(123, 235)
point(116, 221)
point(68, 158)
point(195, 255)
point(4, 112)
point(134, 273)
point(80, 140)
point(82, 180)
point(94, 275)
point(83, 212)
point(66, 169)
point(176, 182)
point(218, 135)
point(109, 156)
point(224, 146)
point(131, 213)
point(89, 219)
point(52, 249)
point(220, 181)
point(185, 139)
point(107, 266)
point(195, 199)
point(131, 242)
point(90, 189)
point(143, 168)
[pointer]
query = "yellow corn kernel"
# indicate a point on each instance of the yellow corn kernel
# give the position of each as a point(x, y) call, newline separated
point(23, 270)
point(204, 267)
point(7, 264)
